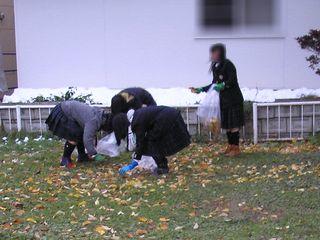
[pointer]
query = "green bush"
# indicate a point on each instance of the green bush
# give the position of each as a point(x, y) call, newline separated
point(70, 94)
point(315, 139)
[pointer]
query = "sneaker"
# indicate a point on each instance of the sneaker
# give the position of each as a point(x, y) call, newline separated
point(65, 162)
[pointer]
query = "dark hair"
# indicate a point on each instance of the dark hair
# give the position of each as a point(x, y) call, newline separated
point(107, 122)
point(120, 124)
point(222, 50)
point(118, 104)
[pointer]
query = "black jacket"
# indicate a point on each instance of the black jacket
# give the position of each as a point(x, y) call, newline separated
point(226, 72)
point(152, 123)
point(136, 97)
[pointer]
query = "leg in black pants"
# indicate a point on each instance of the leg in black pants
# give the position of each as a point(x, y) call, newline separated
point(67, 152)
point(82, 156)
point(162, 163)
point(229, 148)
point(234, 137)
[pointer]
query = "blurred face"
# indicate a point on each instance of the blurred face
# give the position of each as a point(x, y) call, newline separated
point(215, 56)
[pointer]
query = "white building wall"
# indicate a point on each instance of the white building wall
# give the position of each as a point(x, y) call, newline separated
point(151, 44)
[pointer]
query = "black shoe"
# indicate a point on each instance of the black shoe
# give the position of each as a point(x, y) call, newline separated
point(65, 162)
point(83, 158)
point(162, 171)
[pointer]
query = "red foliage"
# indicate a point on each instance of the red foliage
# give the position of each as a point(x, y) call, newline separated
point(311, 42)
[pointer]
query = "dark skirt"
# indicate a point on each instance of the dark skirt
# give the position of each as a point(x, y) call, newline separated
point(232, 117)
point(62, 126)
point(171, 141)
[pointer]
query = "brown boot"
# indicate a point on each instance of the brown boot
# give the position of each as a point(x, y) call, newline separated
point(235, 151)
point(228, 149)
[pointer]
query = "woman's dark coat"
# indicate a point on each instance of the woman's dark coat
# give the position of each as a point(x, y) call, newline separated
point(159, 130)
point(133, 98)
point(225, 72)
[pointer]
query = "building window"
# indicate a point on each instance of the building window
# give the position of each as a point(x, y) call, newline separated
point(217, 13)
point(259, 12)
point(241, 16)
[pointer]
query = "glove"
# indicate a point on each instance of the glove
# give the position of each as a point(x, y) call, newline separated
point(218, 87)
point(129, 167)
point(98, 157)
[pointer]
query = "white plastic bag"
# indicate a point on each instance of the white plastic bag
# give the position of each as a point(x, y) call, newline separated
point(147, 163)
point(209, 110)
point(108, 146)
point(131, 136)
point(132, 141)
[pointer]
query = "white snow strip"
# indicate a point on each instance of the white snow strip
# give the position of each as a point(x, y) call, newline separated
point(168, 96)
point(40, 138)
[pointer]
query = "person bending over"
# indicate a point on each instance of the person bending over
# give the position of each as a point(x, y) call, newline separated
point(78, 123)
point(131, 98)
point(160, 132)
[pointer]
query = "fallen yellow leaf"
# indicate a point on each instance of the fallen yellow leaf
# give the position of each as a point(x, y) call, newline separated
point(142, 219)
point(163, 219)
point(85, 223)
point(141, 232)
point(20, 212)
point(74, 181)
point(31, 220)
point(102, 229)
point(3, 209)
point(295, 167)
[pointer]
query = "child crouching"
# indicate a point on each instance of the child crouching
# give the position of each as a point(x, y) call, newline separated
point(160, 132)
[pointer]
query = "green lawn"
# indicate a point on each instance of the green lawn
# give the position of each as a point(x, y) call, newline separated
point(270, 192)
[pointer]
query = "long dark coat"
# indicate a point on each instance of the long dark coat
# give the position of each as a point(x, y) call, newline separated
point(160, 131)
point(226, 72)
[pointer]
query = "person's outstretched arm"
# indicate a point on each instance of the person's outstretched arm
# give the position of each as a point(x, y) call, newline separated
point(201, 89)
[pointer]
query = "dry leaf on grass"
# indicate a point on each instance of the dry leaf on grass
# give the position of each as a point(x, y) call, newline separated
point(163, 219)
point(32, 220)
point(164, 226)
point(102, 229)
point(141, 232)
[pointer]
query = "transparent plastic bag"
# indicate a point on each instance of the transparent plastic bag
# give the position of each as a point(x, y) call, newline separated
point(108, 146)
point(147, 163)
point(131, 136)
point(132, 141)
point(209, 110)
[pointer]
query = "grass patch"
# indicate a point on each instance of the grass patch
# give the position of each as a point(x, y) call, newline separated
point(271, 191)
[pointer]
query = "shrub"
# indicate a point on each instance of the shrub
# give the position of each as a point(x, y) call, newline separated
point(311, 42)
point(70, 94)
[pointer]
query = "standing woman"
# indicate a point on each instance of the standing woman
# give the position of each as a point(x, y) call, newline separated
point(231, 99)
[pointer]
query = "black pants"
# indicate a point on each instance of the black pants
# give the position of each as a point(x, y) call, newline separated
point(161, 161)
